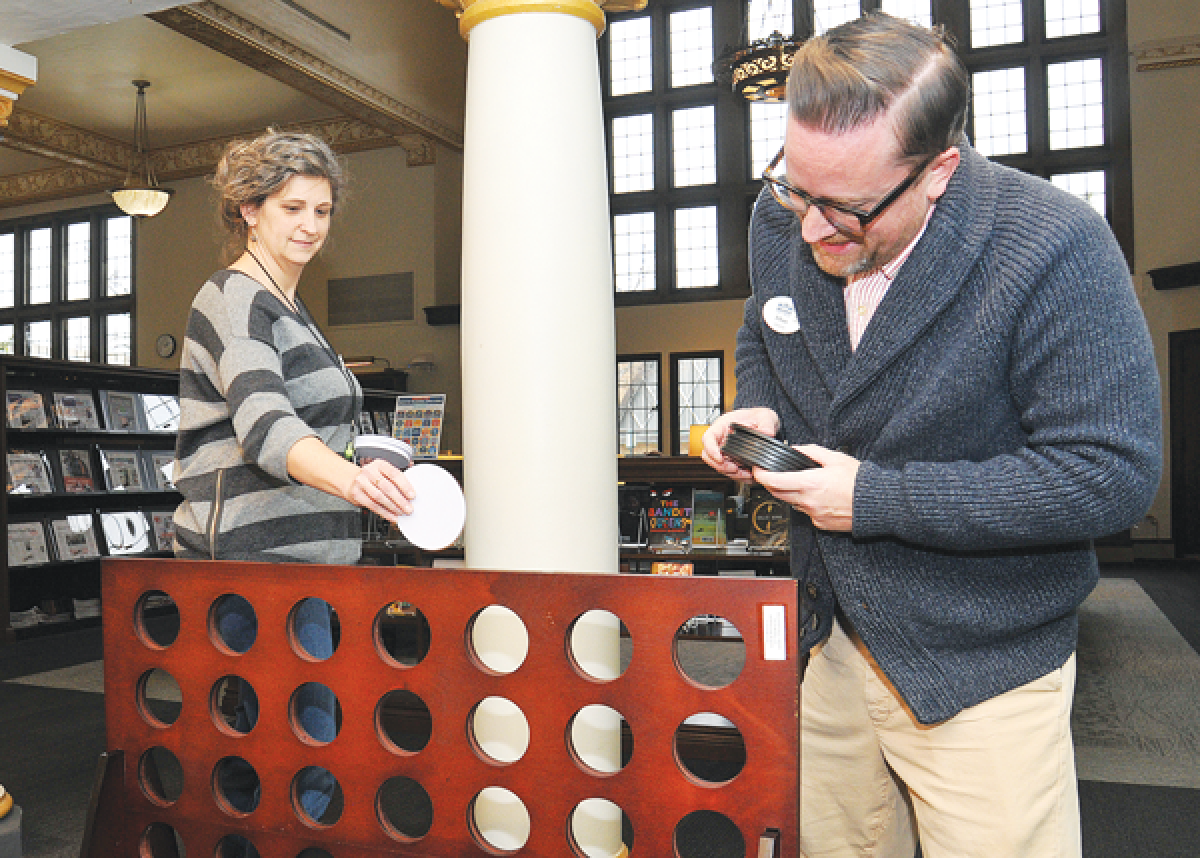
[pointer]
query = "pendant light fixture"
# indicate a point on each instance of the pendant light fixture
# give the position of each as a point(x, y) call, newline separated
point(758, 70)
point(141, 196)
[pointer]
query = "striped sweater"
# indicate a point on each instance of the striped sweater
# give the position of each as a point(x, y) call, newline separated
point(1004, 404)
point(254, 379)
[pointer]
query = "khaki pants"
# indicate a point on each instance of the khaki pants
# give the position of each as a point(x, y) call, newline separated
point(995, 781)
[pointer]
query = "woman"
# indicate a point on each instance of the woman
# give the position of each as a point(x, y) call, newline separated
point(264, 452)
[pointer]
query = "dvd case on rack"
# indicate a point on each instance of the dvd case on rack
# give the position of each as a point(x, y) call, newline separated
point(122, 470)
point(27, 543)
point(28, 473)
point(75, 409)
point(75, 537)
point(161, 412)
point(162, 524)
point(76, 467)
point(25, 410)
point(160, 469)
point(126, 532)
point(121, 411)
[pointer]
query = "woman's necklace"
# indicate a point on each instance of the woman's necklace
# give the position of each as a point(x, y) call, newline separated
point(286, 300)
point(324, 343)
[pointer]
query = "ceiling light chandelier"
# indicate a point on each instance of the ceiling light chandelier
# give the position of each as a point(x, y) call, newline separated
point(758, 71)
point(141, 196)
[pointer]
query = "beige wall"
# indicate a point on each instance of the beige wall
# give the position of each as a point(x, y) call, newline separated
point(1165, 116)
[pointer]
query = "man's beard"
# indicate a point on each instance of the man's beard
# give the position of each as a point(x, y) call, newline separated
point(844, 266)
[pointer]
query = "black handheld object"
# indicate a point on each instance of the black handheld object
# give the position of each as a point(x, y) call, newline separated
point(753, 449)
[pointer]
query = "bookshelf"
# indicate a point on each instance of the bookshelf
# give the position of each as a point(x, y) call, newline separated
point(99, 489)
point(686, 474)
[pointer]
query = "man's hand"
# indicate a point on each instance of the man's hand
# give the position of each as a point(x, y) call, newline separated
point(762, 419)
point(824, 494)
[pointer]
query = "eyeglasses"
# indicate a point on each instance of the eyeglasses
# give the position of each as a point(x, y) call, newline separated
point(846, 220)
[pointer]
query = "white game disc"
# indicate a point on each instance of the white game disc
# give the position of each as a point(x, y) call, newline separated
point(439, 509)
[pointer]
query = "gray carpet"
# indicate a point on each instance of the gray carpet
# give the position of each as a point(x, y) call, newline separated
point(1137, 698)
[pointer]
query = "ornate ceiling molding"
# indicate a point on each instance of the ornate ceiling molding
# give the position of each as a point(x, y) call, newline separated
point(248, 43)
point(50, 138)
point(84, 174)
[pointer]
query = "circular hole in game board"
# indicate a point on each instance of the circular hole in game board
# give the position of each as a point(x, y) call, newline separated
point(314, 629)
point(315, 713)
point(236, 786)
point(161, 776)
point(600, 739)
point(234, 705)
point(232, 624)
point(592, 828)
point(708, 834)
point(709, 650)
point(159, 698)
point(402, 634)
point(160, 840)
point(404, 723)
point(498, 639)
point(317, 797)
point(601, 647)
point(236, 846)
point(405, 809)
point(710, 747)
point(499, 821)
point(156, 619)
point(499, 730)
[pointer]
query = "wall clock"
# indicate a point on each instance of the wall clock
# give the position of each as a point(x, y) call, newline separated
point(165, 345)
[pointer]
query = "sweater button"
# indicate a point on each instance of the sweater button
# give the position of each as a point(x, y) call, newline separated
point(865, 607)
point(811, 589)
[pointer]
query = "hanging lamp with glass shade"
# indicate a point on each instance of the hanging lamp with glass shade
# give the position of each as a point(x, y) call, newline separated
point(141, 195)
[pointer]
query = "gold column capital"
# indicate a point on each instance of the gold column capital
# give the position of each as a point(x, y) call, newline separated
point(11, 86)
point(472, 12)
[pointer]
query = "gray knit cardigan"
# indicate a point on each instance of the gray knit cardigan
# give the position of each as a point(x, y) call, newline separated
point(254, 379)
point(1004, 404)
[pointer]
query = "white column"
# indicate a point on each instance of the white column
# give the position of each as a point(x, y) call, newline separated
point(538, 330)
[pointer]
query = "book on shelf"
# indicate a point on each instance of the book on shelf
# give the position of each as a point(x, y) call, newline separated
point(633, 522)
point(160, 412)
point(75, 537)
point(126, 532)
point(27, 543)
point(418, 422)
point(122, 470)
point(28, 473)
point(366, 426)
point(75, 409)
point(75, 464)
point(708, 518)
point(162, 525)
point(669, 519)
point(670, 568)
point(25, 409)
point(770, 520)
point(122, 411)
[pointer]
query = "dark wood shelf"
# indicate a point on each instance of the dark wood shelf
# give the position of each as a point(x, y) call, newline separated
point(665, 470)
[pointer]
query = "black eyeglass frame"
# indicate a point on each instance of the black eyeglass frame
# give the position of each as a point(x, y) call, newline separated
point(864, 218)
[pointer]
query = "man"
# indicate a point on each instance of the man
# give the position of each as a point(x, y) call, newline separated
point(958, 346)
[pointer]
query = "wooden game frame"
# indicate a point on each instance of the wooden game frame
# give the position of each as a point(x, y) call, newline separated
point(653, 695)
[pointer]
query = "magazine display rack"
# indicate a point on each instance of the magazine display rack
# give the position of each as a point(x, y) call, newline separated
point(84, 447)
point(159, 790)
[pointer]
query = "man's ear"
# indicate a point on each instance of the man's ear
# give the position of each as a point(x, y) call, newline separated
point(940, 171)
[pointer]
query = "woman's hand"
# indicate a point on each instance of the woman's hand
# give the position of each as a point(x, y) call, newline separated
point(382, 488)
